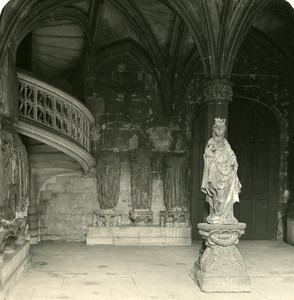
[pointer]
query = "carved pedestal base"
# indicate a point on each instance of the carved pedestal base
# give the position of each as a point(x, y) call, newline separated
point(141, 217)
point(220, 267)
point(174, 218)
point(106, 218)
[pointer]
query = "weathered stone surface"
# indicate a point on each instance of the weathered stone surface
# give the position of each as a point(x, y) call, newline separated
point(157, 200)
point(220, 267)
point(13, 267)
point(127, 235)
point(65, 216)
point(220, 182)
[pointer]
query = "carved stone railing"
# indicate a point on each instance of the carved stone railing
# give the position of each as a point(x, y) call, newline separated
point(55, 118)
point(55, 109)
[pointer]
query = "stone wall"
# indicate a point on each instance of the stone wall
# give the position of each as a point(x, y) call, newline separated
point(65, 207)
point(129, 117)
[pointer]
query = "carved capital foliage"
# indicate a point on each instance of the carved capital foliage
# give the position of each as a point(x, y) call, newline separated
point(218, 90)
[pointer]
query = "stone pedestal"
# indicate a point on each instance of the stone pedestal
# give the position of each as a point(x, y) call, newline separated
point(220, 267)
point(139, 235)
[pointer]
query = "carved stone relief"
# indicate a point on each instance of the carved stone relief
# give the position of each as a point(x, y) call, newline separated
point(14, 182)
point(141, 178)
point(175, 182)
point(141, 187)
point(218, 90)
point(108, 180)
point(14, 174)
point(220, 267)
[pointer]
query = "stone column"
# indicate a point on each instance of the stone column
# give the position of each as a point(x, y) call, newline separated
point(217, 96)
point(220, 268)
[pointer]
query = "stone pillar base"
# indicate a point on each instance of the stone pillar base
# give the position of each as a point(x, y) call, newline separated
point(220, 267)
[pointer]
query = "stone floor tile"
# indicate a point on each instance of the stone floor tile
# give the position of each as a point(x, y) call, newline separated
point(75, 271)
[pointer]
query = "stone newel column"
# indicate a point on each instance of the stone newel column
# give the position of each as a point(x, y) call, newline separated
point(220, 267)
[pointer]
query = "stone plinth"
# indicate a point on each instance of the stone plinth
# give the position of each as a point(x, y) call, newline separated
point(138, 235)
point(220, 267)
point(12, 267)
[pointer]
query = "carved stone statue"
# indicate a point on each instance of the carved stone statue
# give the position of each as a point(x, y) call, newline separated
point(175, 182)
point(108, 180)
point(220, 182)
point(14, 174)
point(141, 179)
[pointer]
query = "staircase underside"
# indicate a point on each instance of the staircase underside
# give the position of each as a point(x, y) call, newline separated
point(55, 140)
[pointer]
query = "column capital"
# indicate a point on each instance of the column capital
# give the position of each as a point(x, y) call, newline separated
point(218, 91)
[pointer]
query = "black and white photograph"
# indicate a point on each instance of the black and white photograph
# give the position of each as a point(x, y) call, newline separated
point(147, 149)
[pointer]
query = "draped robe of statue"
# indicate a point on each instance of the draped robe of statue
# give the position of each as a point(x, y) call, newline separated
point(141, 179)
point(220, 182)
point(175, 183)
point(108, 180)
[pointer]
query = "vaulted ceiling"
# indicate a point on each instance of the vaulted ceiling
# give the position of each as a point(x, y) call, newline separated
point(173, 36)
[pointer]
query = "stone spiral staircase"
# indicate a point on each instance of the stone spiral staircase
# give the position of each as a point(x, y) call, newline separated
point(55, 118)
point(56, 130)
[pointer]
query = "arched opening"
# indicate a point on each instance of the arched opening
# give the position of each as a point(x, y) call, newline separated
point(254, 135)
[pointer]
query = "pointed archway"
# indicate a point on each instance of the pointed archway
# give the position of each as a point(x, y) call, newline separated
point(254, 134)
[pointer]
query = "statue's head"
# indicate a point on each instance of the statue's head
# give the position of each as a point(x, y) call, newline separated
point(219, 129)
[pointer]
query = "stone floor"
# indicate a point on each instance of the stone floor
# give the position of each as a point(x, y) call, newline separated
point(76, 271)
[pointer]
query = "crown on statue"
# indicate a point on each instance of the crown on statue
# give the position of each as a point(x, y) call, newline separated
point(218, 122)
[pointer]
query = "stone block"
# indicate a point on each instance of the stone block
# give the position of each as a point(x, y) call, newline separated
point(42, 209)
point(32, 210)
point(55, 188)
point(46, 195)
point(125, 241)
point(62, 180)
point(33, 232)
point(33, 224)
point(138, 235)
point(34, 240)
point(126, 232)
point(33, 217)
point(99, 241)
point(12, 268)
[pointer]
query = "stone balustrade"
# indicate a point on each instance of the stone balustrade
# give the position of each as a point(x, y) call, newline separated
point(53, 108)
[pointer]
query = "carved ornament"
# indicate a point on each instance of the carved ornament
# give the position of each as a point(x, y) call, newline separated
point(218, 90)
